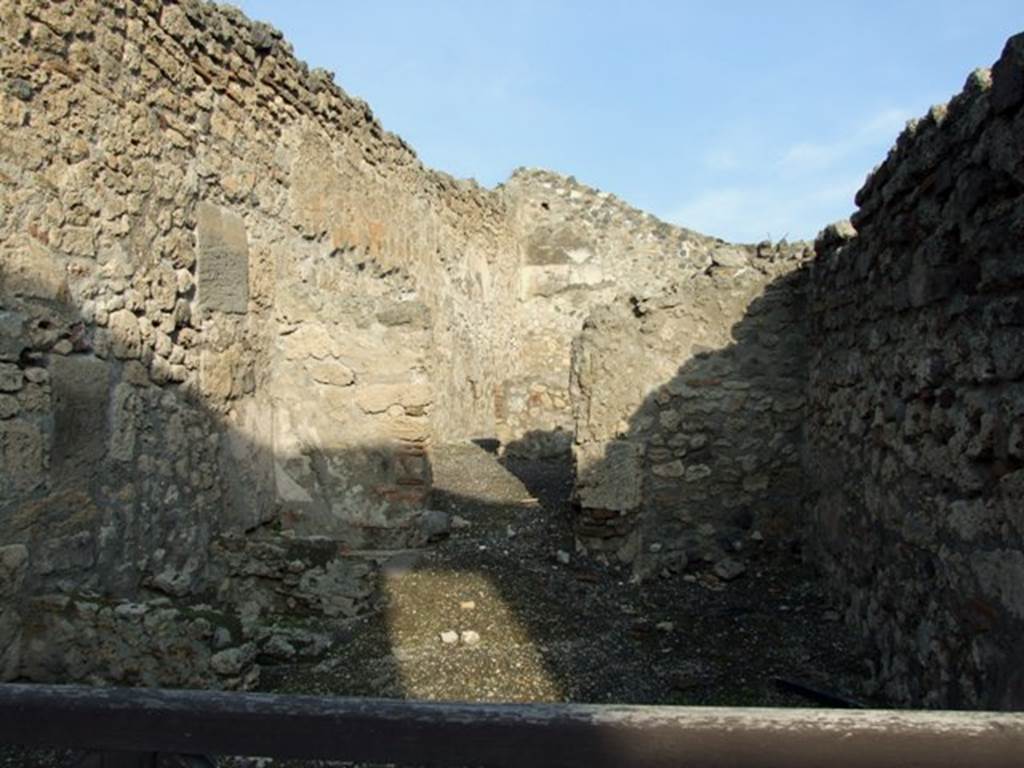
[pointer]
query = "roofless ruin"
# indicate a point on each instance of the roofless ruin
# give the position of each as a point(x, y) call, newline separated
point(238, 318)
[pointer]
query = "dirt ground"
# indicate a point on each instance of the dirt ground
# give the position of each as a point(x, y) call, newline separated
point(525, 623)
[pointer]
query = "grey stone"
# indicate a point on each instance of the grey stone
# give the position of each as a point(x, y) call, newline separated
point(12, 342)
point(8, 406)
point(21, 456)
point(278, 647)
point(222, 259)
point(233, 661)
point(408, 313)
point(221, 639)
point(11, 378)
point(20, 88)
point(608, 475)
point(435, 523)
point(81, 400)
point(125, 335)
point(1008, 76)
point(730, 257)
point(728, 569)
point(669, 469)
point(10, 645)
point(13, 567)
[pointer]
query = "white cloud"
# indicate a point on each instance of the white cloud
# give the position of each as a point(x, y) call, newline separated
point(886, 124)
point(722, 159)
point(812, 157)
point(794, 191)
point(768, 211)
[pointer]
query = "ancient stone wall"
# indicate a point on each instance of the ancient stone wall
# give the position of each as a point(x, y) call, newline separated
point(134, 321)
point(229, 303)
point(579, 248)
point(915, 415)
point(234, 306)
point(689, 415)
point(235, 314)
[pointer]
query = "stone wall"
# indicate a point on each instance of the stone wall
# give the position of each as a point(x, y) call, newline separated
point(689, 414)
point(916, 402)
point(579, 248)
point(235, 314)
point(229, 304)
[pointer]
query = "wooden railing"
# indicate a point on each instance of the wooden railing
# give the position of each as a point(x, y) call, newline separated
point(130, 726)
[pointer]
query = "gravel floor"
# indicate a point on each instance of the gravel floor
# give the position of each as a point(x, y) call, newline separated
point(542, 629)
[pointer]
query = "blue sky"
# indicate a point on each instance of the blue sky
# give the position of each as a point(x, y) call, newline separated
point(747, 120)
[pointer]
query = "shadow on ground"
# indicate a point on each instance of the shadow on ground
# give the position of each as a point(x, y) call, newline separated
point(505, 609)
point(554, 625)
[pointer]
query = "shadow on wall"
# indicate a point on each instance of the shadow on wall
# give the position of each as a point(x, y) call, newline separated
point(143, 537)
point(147, 535)
point(690, 416)
point(690, 469)
point(146, 521)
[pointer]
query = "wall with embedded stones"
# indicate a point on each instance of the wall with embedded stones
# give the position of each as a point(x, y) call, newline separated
point(689, 414)
point(230, 304)
point(579, 248)
point(235, 314)
point(915, 416)
point(234, 306)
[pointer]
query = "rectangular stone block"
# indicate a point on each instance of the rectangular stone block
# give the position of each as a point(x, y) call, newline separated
point(223, 260)
point(80, 386)
point(11, 379)
point(13, 565)
point(12, 340)
point(21, 456)
point(609, 475)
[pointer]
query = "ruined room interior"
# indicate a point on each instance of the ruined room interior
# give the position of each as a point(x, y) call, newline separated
point(282, 409)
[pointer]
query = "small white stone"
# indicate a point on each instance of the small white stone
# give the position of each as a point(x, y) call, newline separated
point(467, 605)
point(469, 637)
point(449, 637)
point(563, 557)
point(665, 626)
